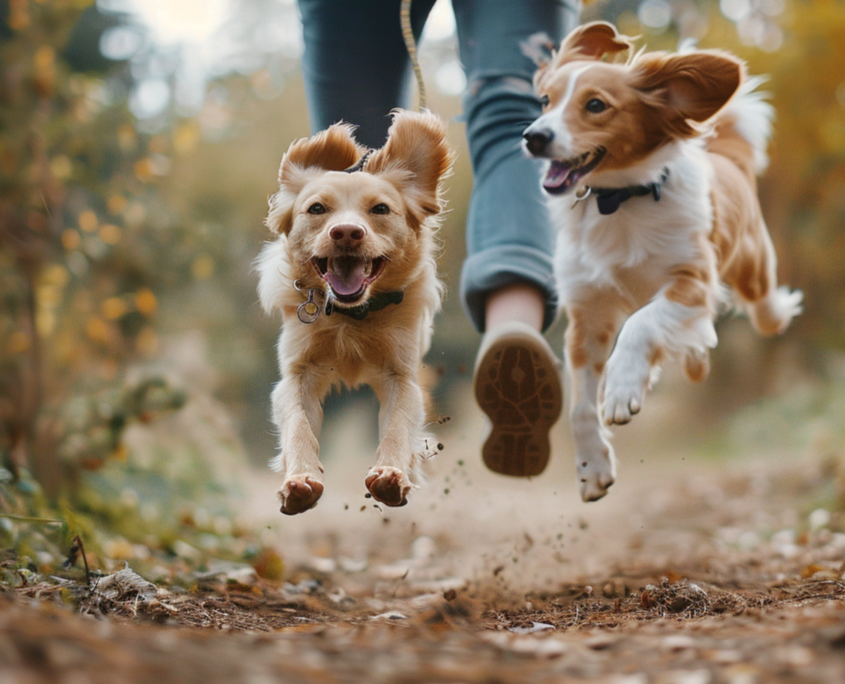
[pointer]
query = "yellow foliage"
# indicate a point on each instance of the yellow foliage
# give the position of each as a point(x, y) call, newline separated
point(145, 301)
point(98, 330)
point(121, 453)
point(88, 221)
point(70, 239)
point(110, 234)
point(143, 169)
point(186, 137)
point(55, 274)
point(45, 58)
point(18, 15)
point(116, 204)
point(45, 322)
point(113, 308)
point(49, 297)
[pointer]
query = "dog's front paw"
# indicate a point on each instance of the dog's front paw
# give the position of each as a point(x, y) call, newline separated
point(624, 391)
point(300, 493)
point(388, 485)
point(596, 473)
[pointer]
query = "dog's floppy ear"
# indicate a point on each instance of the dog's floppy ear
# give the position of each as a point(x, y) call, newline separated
point(588, 42)
point(592, 41)
point(687, 87)
point(416, 157)
point(331, 150)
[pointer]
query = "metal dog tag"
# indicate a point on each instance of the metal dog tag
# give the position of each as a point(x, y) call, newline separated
point(308, 311)
point(581, 193)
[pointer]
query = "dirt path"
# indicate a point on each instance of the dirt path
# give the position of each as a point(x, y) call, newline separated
point(688, 573)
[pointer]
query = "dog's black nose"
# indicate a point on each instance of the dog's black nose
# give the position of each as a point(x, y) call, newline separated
point(537, 139)
point(347, 233)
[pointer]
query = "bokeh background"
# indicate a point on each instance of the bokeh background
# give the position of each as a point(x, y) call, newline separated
point(139, 142)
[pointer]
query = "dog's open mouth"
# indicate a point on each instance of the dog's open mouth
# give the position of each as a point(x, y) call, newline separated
point(562, 175)
point(348, 275)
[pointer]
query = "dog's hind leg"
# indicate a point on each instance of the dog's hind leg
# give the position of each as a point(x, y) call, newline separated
point(298, 415)
point(401, 418)
point(772, 314)
point(753, 276)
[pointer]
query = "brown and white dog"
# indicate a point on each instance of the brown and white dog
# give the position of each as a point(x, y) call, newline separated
point(354, 276)
point(652, 183)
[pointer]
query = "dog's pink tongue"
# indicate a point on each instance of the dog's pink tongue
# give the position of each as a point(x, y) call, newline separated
point(558, 177)
point(346, 276)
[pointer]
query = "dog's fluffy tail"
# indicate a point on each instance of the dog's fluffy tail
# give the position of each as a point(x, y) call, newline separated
point(744, 126)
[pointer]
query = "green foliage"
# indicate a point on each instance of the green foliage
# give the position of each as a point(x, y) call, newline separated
point(30, 532)
point(85, 247)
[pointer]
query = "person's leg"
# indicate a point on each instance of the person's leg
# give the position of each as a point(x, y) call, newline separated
point(515, 302)
point(509, 236)
point(355, 65)
point(507, 283)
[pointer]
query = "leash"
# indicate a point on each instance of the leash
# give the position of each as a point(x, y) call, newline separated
point(360, 164)
point(411, 46)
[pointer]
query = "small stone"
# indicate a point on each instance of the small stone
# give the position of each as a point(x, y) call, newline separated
point(677, 643)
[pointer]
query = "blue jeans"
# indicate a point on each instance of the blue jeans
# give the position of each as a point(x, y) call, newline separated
point(357, 69)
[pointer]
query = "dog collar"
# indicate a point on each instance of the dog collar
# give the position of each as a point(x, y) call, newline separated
point(375, 303)
point(609, 199)
point(309, 311)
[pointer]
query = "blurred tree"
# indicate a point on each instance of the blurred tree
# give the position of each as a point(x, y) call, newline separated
point(78, 300)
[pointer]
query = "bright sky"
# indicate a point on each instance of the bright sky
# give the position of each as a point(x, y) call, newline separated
point(177, 21)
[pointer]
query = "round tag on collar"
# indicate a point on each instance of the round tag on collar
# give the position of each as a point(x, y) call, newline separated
point(307, 312)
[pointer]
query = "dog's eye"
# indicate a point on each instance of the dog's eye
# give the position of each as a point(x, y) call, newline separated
point(317, 208)
point(544, 100)
point(380, 208)
point(595, 106)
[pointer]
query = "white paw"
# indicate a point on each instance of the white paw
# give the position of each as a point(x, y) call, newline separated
point(625, 386)
point(596, 472)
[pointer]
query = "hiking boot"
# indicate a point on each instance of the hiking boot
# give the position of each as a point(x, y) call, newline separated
point(517, 384)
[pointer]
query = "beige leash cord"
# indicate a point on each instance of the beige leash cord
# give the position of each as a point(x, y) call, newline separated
point(411, 45)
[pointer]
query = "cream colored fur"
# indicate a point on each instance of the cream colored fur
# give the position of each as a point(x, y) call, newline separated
point(385, 349)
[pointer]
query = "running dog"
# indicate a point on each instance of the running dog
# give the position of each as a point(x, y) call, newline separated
point(354, 276)
point(652, 181)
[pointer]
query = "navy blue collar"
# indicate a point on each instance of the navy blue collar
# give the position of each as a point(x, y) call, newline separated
point(375, 303)
point(609, 199)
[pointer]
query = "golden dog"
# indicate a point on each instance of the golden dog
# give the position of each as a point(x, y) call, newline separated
point(354, 276)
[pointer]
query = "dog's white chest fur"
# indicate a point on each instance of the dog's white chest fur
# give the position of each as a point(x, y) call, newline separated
point(638, 244)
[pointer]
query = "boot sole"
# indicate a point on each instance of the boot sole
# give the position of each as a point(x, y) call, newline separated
point(518, 386)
